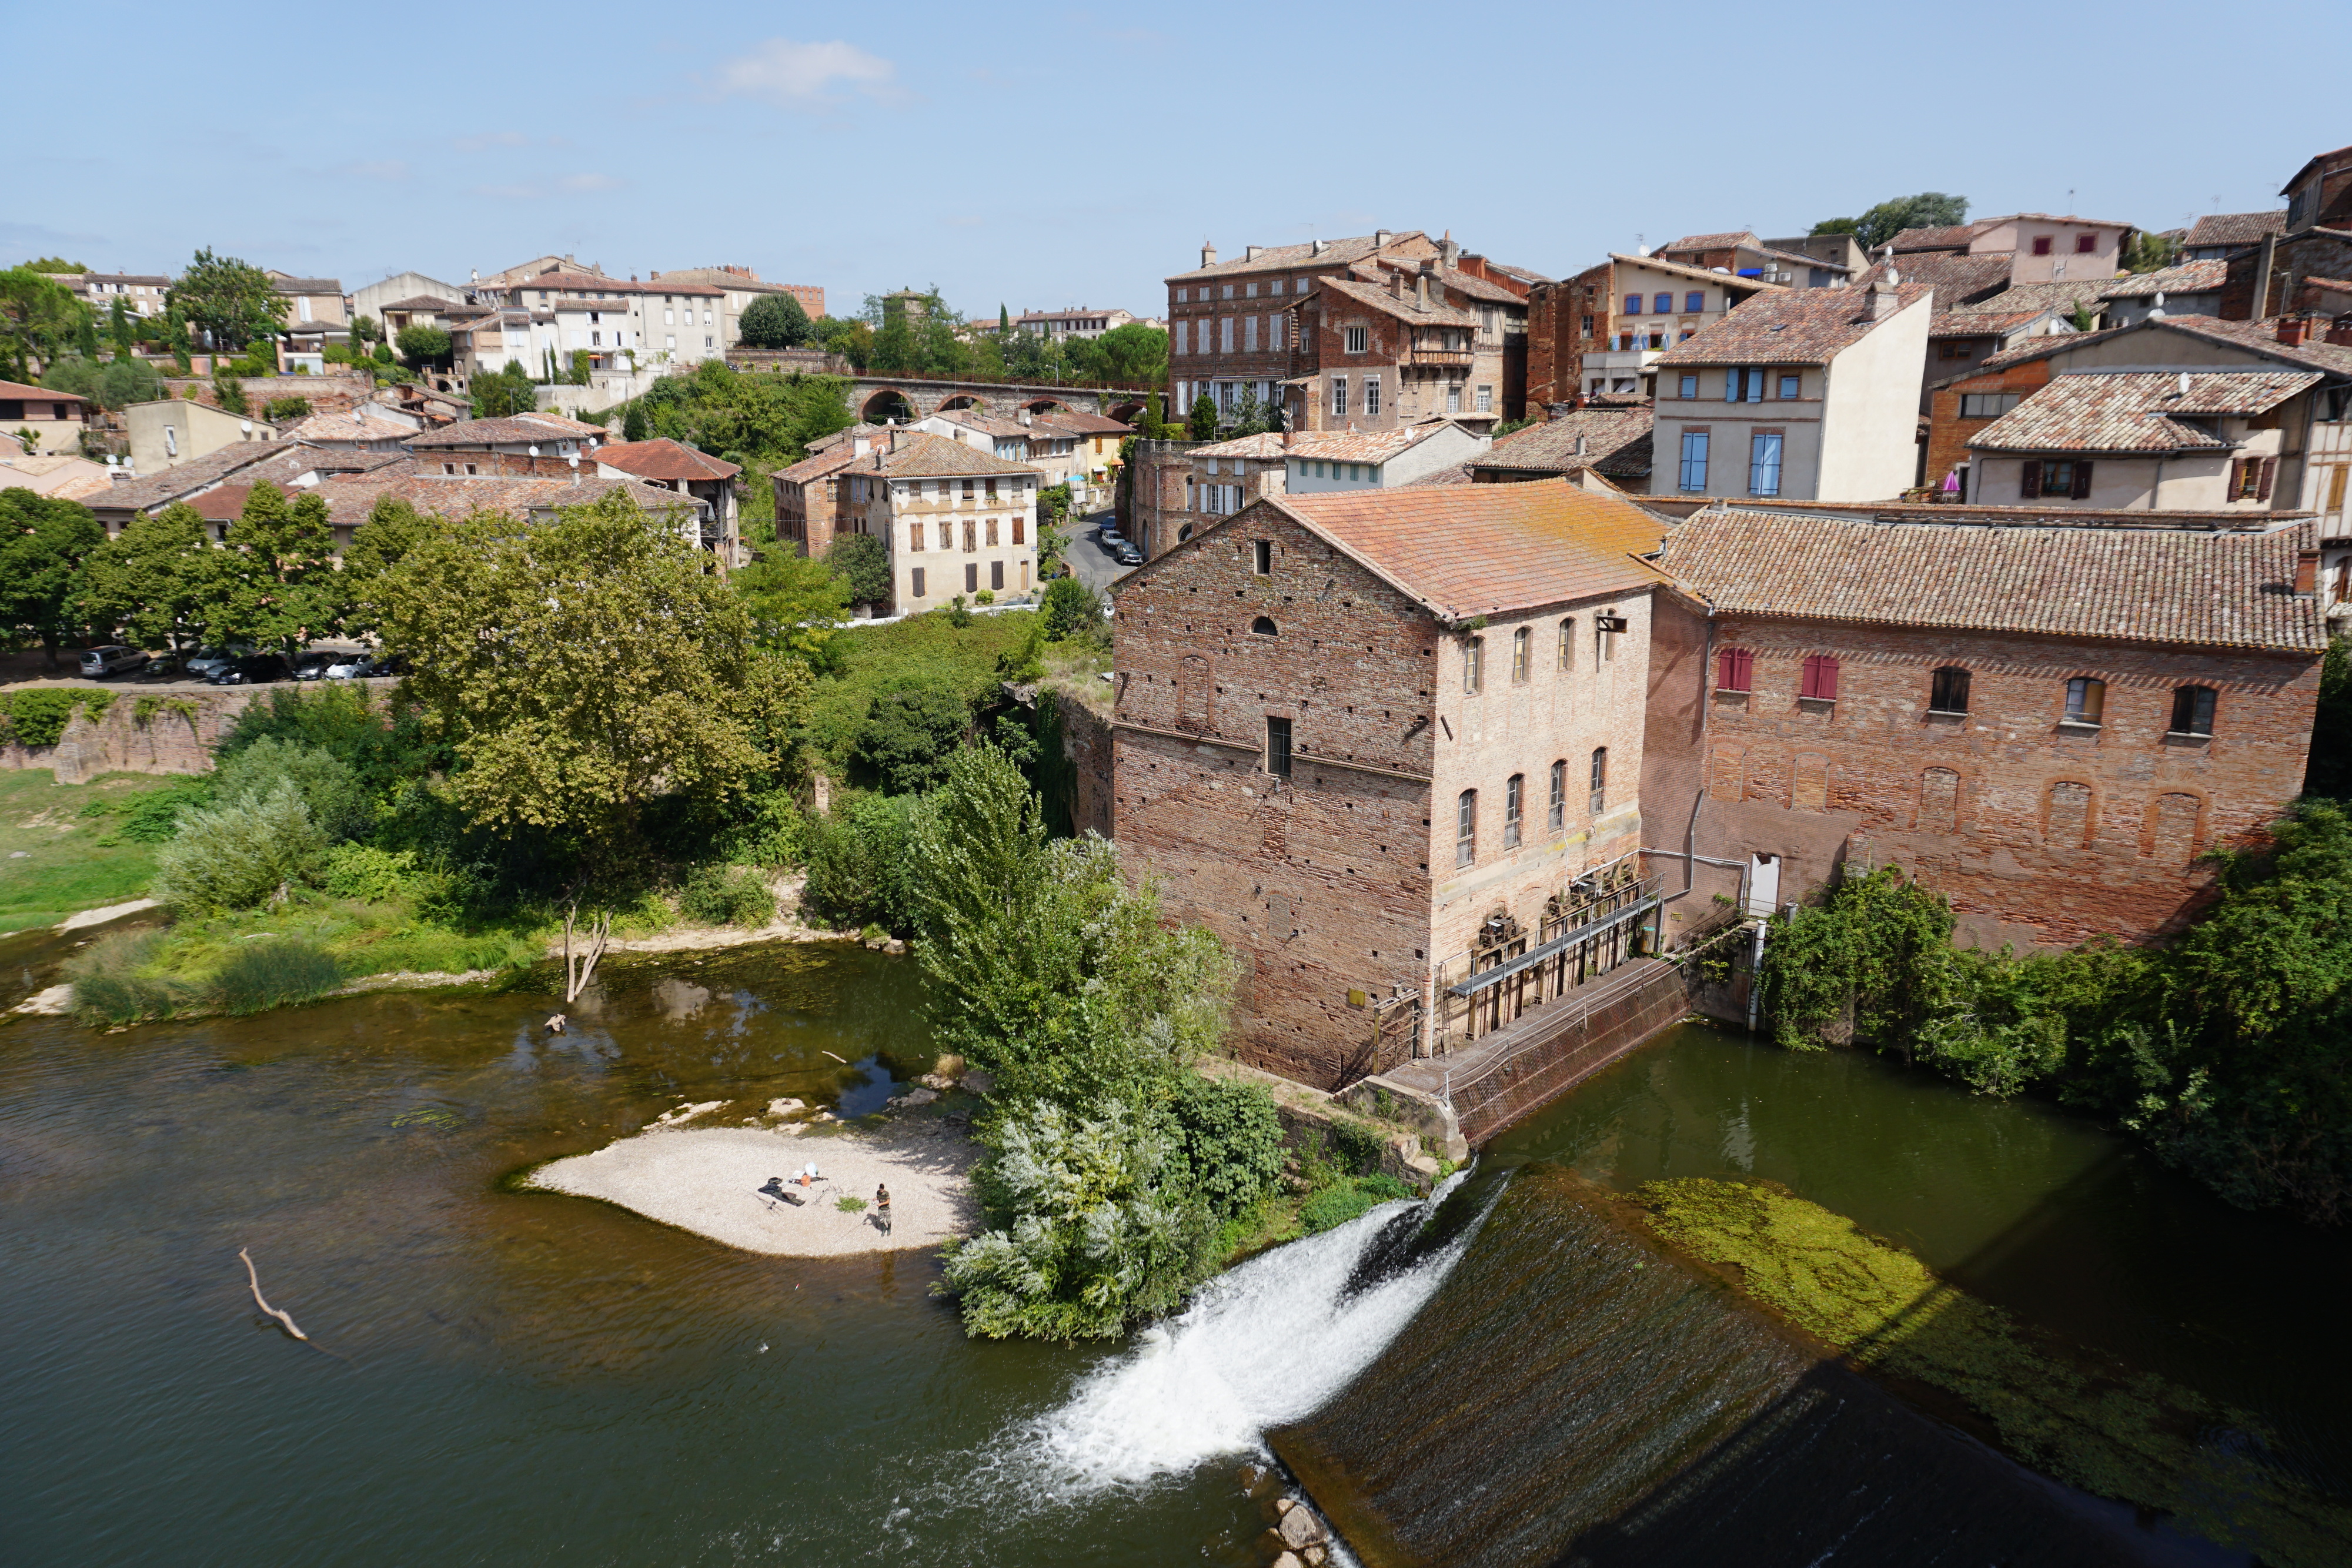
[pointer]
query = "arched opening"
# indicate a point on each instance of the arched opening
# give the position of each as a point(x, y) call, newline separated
point(886, 406)
point(963, 400)
point(1042, 404)
point(1264, 627)
point(1126, 413)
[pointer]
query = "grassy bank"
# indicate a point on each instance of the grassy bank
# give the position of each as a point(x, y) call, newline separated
point(74, 855)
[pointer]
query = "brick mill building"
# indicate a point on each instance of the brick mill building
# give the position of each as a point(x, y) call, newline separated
point(1384, 741)
point(2047, 716)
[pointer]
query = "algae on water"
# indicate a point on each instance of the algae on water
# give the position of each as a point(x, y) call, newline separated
point(2084, 1418)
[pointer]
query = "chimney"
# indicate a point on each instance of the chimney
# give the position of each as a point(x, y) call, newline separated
point(2263, 260)
point(860, 447)
point(1252, 252)
point(2340, 334)
point(2306, 574)
point(1421, 284)
point(1315, 247)
point(1381, 238)
point(1449, 250)
point(1208, 254)
point(1884, 300)
point(1580, 446)
point(2293, 330)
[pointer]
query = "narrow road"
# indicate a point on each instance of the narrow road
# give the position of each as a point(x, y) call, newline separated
point(1089, 562)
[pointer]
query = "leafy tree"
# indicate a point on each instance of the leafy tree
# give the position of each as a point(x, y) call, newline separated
point(1928, 209)
point(285, 410)
point(2151, 252)
point(850, 341)
point(861, 561)
point(2328, 770)
point(51, 264)
point(1132, 355)
point(230, 392)
point(378, 546)
point(775, 321)
point(381, 353)
point(366, 329)
point(237, 856)
point(1069, 607)
point(228, 302)
point(42, 542)
point(422, 346)
point(861, 867)
point(581, 668)
point(1151, 427)
point(499, 393)
point(1202, 424)
point(110, 384)
point(152, 581)
point(634, 426)
point(118, 328)
point(909, 734)
point(280, 586)
point(795, 601)
point(1249, 415)
point(39, 320)
point(328, 785)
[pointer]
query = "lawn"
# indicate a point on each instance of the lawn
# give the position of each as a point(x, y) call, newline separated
point(61, 833)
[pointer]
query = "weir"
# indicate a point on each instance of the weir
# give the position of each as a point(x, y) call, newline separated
point(1576, 1393)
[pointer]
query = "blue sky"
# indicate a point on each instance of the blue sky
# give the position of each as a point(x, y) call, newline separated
point(1043, 156)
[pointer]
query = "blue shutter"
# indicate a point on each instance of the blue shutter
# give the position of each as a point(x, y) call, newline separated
point(1731, 386)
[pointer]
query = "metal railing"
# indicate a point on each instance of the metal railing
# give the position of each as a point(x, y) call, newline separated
point(1587, 929)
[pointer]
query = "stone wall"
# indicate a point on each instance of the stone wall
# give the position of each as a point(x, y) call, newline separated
point(169, 739)
point(1087, 744)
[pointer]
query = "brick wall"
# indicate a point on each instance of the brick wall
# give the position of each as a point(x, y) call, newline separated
point(2041, 834)
point(1161, 496)
point(1949, 434)
point(810, 513)
point(1087, 744)
point(1557, 340)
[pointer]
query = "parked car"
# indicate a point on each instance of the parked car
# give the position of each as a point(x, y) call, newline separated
point(111, 660)
point(349, 666)
point(312, 665)
point(206, 662)
point(1110, 538)
point(1128, 555)
point(253, 670)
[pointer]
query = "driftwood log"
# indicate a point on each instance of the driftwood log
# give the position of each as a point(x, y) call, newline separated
point(599, 932)
point(284, 1317)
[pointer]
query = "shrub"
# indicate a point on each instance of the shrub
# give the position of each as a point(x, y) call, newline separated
point(108, 987)
point(235, 856)
point(1226, 1141)
point(770, 831)
point(1070, 606)
point(1343, 1201)
point(849, 1204)
point(727, 895)
point(285, 410)
point(908, 736)
point(861, 864)
point(326, 783)
point(366, 872)
point(273, 972)
point(38, 716)
point(153, 818)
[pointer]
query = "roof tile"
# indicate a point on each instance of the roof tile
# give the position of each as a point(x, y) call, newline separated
point(2142, 411)
point(1791, 326)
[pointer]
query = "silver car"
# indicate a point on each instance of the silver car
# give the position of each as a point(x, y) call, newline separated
point(98, 663)
point(205, 663)
point(348, 666)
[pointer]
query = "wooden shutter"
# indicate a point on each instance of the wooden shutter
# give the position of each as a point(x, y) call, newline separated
point(1820, 677)
point(2270, 472)
point(2237, 480)
point(2028, 479)
point(1733, 668)
point(2082, 478)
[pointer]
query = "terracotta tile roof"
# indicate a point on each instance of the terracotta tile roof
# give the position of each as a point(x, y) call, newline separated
point(2137, 411)
point(1983, 323)
point(225, 503)
point(2041, 348)
point(1407, 308)
point(662, 458)
point(13, 390)
point(157, 489)
point(1283, 258)
point(1959, 281)
point(2061, 295)
point(918, 454)
point(1080, 423)
point(1457, 474)
point(1616, 441)
point(2261, 338)
point(423, 302)
point(848, 436)
point(1260, 446)
point(2235, 228)
point(2192, 585)
point(1953, 237)
point(1485, 550)
point(1528, 275)
point(1726, 241)
point(1461, 282)
point(356, 426)
point(513, 430)
point(985, 422)
point(1702, 274)
point(819, 466)
point(2189, 277)
point(349, 499)
point(1361, 445)
point(1788, 327)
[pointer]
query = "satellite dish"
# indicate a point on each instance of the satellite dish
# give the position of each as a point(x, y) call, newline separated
point(246, 428)
point(534, 451)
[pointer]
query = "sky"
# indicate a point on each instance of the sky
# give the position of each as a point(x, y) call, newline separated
point(1043, 156)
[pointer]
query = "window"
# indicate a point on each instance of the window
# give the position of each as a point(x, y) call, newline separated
point(1558, 819)
point(2250, 478)
point(1486, 319)
point(1663, 305)
point(1735, 670)
point(1792, 385)
point(1764, 462)
point(1519, 641)
point(914, 535)
point(2086, 243)
point(1486, 399)
point(1513, 790)
point(1819, 680)
point(2087, 700)
point(1249, 333)
point(1371, 395)
point(971, 535)
point(1633, 304)
point(1453, 398)
point(996, 577)
point(1588, 325)
point(971, 578)
point(1987, 405)
point(919, 582)
point(1688, 388)
point(1693, 473)
point(1338, 396)
point(1465, 829)
point(2192, 710)
point(2042, 244)
point(1021, 532)
point(1598, 802)
point(1264, 627)
point(1947, 692)
point(1743, 386)
point(2069, 477)
point(1568, 644)
point(1693, 302)
point(1474, 664)
point(1277, 747)
point(1356, 339)
point(1607, 628)
point(1262, 557)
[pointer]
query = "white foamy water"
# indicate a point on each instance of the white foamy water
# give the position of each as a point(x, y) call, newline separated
point(1269, 1343)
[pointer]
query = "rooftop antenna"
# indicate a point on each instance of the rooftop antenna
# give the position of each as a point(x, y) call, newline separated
point(2070, 201)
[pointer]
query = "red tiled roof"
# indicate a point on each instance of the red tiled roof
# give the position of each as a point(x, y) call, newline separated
point(1701, 274)
point(917, 454)
point(349, 498)
point(1983, 323)
point(820, 464)
point(1080, 423)
point(2192, 585)
point(1729, 240)
point(225, 503)
point(515, 429)
point(1361, 445)
point(1952, 237)
point(1791, 326)
point(1260, 446)
point(1484, 550)
point(13, 390)
point(1616, 441)
point(1283, 257)
point(1960, 281)
point(1439, 314)
point(2189, 277)
point(2143, 410)
point(2235, 228)
point(662, 458)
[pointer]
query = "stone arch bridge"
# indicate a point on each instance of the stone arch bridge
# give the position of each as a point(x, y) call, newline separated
point(876, 398)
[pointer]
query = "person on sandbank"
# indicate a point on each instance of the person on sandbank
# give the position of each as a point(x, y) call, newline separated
point(882, 1207)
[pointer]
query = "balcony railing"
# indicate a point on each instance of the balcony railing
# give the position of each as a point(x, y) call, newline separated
point(1428, 356)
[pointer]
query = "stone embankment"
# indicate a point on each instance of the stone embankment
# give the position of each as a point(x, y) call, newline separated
point(147, 727)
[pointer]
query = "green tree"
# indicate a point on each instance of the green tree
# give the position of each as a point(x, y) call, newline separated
point(118, 328)
point(378, 546)
point(280, 588)
point(908, 736)
point(230, 392)
point(1132, 355)
point(111, 383)
point(366, 329)
point(499, 393)
point(1202, 424)
point(43, 543)
point(2151, 252)
point(581, 667)
point(1004, 321)
point(635, 426)
point(150, 582)
point(381, 353)
point(794, 602)
point(285, 410)
point(775, 321)
point(421, 345)
point(39, 320)
point(1070, 607)
point(1928, 209)
point(861, 561)
point(50, 264)
point(228, 302)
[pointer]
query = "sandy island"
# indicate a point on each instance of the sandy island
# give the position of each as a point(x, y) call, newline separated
point(708, 1180)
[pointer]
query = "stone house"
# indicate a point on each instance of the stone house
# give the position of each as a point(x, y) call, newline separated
point(2191, 289)
point(677, 467)
point(1611, 437)
point(1862, 686)
point(1406, 345)
point(1587, 339)
point(2041, 247)
point(1183, 486)
point(55, 419)
point(739, 287)
point(955, 520)
point(1807, 394)
point(2272, 276)
point(1073, 321)
point(811, 507)
point(1378, 741)
point(2216, 235)
point(514, 444)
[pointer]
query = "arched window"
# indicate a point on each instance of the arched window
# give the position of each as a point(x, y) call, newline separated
point(2087, 700)
point(1513, 800)
point(1264, 627)
point(1519, 641)
point(2192, 710)
point(1599, 801)
point(1474, 664)
point(1557, 820)
point(1948, 691)
point(1465, 829)
point(1735, 670)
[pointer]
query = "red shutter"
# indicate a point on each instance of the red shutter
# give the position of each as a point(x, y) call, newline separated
point(1820, 677)
point(2029, 480)
point(1733, 668)
point(2082, 478)
point(2270, 472)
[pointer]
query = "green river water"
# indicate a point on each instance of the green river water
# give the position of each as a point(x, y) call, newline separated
point(514, 1377)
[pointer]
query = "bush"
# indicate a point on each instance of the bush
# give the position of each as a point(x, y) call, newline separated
point(327, 784)
point(727, 895)
point(285, 410)
point(861, 864)
point(908, 736)
point(236, 856)
point(1344, 1200)
point(370, 875)
point(1226, 1141)
point(37, 715)
point(272, 973)
point(1070, 606)
point(108, 987)
point(153, 818)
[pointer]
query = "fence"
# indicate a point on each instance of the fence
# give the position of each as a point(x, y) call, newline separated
point(1585, 931)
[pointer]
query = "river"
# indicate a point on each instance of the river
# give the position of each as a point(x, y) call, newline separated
point(506, 1376)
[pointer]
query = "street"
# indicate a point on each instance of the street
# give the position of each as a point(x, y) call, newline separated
point(1088, 561)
